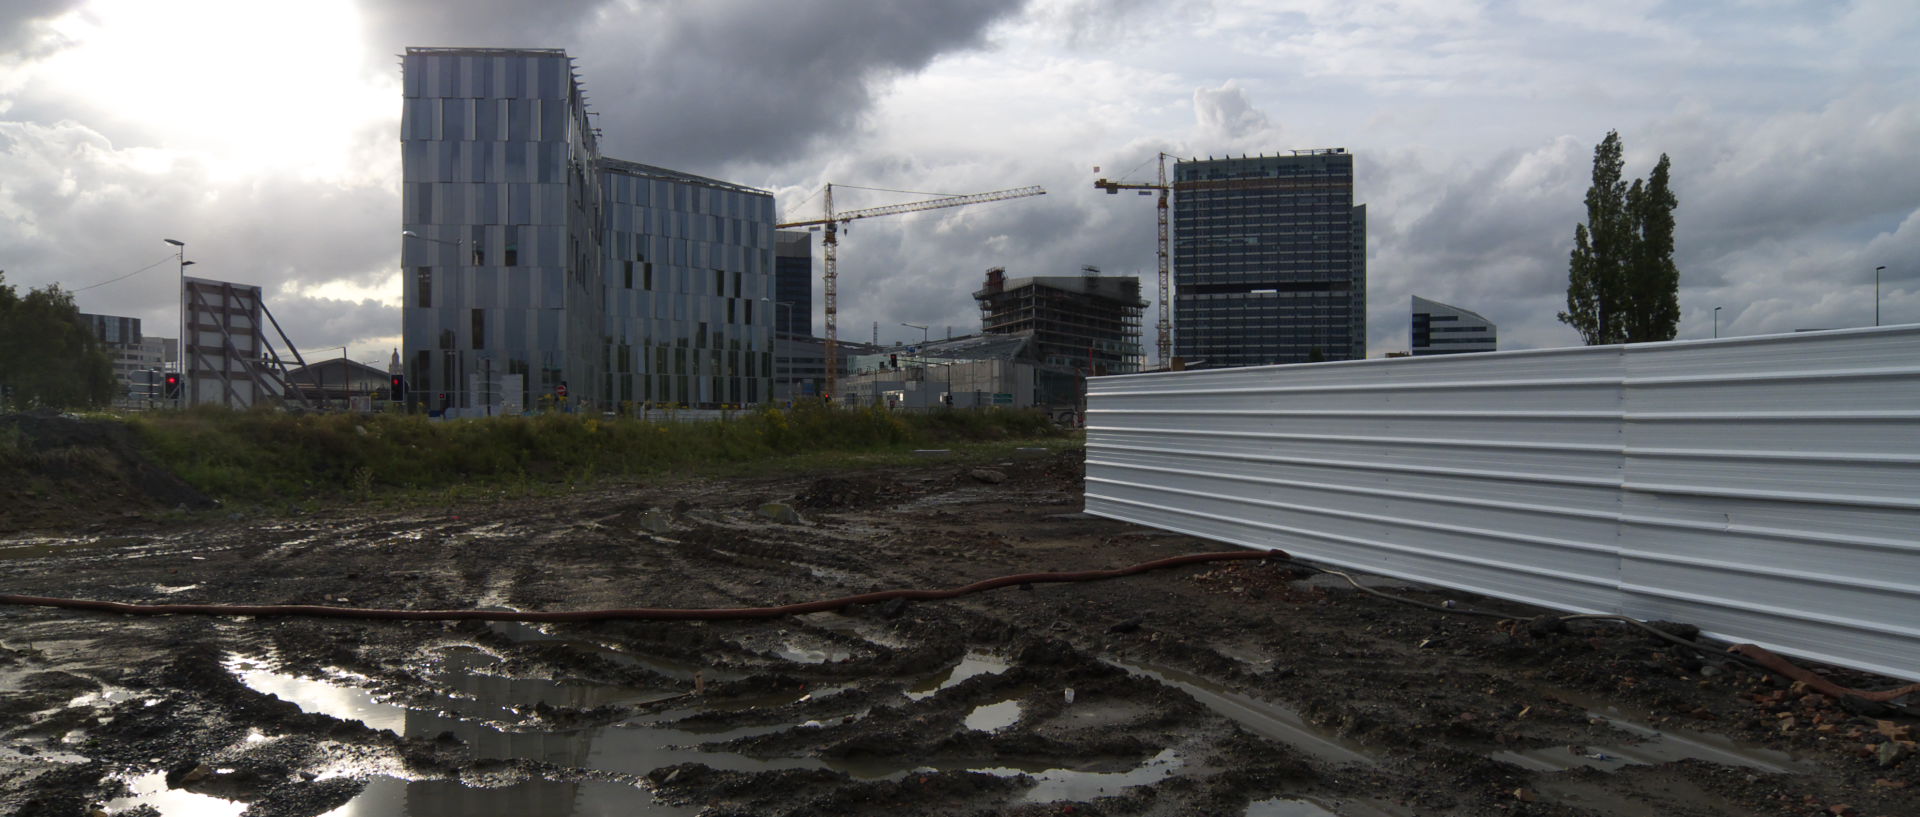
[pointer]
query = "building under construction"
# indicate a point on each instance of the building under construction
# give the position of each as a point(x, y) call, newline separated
point(1088, 322)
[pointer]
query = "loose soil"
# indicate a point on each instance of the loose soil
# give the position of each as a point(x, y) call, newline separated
point(1243, 688)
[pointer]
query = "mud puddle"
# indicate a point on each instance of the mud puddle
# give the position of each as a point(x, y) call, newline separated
point(151, 790)
point(1650, 747)
point(678, 670)
point(1264, 718)
point(970, 665)
point(391, 797)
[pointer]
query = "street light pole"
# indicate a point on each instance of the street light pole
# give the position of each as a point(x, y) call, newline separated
point(180, 345)
point(1716, 321)
point(923, 331)
point(1876, 295)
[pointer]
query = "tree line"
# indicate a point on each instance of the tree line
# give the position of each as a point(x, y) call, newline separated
point(48, 358)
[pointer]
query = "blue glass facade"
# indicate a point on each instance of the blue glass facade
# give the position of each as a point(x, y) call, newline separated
point(1269, 260)
point(515, 230)
point(793, 282)
point(689, 265)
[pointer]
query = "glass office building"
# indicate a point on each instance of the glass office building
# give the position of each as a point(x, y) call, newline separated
point(689, 264)
point(793, 281)
point(518, 239)
point(1270, 261)
point(1440, 329)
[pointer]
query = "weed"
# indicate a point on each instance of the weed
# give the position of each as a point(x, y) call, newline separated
point(263, 456)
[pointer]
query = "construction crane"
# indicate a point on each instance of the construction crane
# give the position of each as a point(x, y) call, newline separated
point(1113, 188)
point(830, 246)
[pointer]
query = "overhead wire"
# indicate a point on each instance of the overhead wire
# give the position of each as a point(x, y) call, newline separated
point(163, 260)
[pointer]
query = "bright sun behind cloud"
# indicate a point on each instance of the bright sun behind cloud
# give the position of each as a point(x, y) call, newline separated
point(240, 85)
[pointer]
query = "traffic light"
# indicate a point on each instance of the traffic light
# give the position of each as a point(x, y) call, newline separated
point(443, 402)
point(893, 361)
point(397, 389)
point(173, 385)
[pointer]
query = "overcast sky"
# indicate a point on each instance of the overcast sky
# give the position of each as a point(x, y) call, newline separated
point(266, 136)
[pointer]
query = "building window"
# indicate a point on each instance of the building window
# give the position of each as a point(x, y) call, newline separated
point(479, 329)
point(424, 277)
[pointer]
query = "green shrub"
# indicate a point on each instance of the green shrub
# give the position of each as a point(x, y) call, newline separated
point(264, 455)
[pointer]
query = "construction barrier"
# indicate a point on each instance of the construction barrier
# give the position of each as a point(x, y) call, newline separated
point(1766, 489)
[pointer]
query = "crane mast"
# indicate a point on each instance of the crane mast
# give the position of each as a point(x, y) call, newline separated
point(830, 252)
point(1165, 326)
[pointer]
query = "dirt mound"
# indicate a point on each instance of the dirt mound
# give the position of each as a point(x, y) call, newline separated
point(61, 471)
point(843, 493)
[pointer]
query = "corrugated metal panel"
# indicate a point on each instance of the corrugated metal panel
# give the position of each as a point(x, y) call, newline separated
point(1766, 489)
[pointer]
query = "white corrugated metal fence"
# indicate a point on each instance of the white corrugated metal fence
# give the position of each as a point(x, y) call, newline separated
point(1766, 489)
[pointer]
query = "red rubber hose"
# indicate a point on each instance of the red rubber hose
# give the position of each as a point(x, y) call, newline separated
point(642, 613)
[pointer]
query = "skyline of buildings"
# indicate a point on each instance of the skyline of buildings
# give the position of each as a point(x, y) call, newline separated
point(1269, 260)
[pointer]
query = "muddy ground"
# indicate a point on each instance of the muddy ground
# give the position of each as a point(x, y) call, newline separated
point(1245, 688)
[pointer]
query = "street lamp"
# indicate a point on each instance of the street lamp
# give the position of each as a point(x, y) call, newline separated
point(1716, 321)
point(1876, 295)
point(922, 330)
point(180, 350)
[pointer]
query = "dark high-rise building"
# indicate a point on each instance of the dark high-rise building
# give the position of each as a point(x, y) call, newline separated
point(1269, 260)
point(793, 282)
point(1439, 329)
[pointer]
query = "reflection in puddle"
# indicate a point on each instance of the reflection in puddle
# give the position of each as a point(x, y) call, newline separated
point(993, 717)
point(1656, 747)
point(389, 797)
point(151, 790)
point(974, 663)
point(1066, 784)
point(1263, 718)
point(1288, 808)
point(348, 703)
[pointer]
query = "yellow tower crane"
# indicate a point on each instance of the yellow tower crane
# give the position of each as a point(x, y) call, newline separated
point(830, 244)
point(1113, 188)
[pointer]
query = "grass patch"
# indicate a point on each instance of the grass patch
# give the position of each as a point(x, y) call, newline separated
point(264, 456)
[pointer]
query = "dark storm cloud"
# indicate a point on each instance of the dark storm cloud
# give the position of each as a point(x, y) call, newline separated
point(695, 85)
point(392, 25)
point(20, 22)
point(732, 80)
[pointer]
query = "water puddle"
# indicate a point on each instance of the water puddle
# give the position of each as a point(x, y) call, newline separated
point(1318, 807)
point(335, 699)
point(161, 588)
point(1266, 719)
point(1655, 747)
point(391, 797)
point(1066, 784)
point(993, 717)
point(972, 664)
point(1288, 808)
point(34, 547)
point(151, 790)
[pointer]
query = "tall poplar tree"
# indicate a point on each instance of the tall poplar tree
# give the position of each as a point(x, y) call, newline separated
point(1622, 285)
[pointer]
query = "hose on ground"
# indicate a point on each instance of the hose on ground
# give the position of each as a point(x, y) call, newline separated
point(631, 613)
